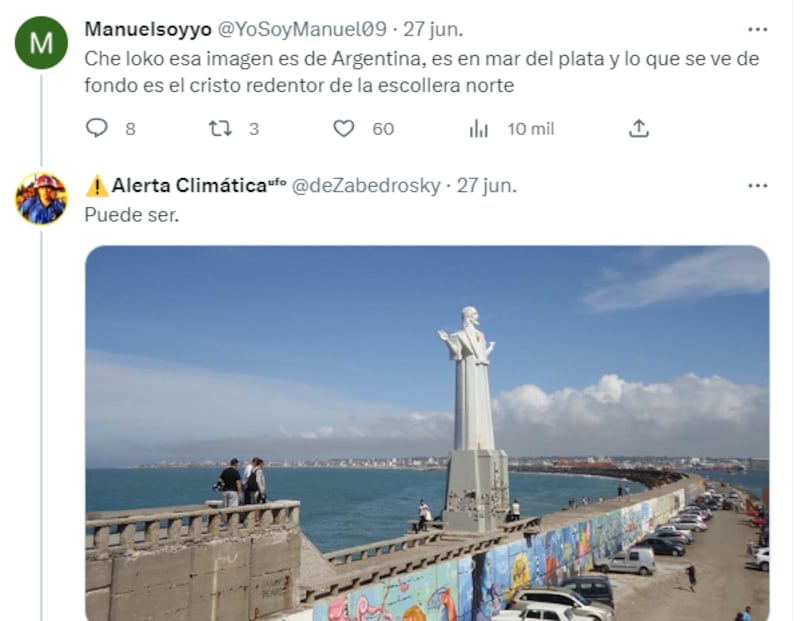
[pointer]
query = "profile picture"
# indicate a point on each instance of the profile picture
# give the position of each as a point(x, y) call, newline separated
point(41, 198)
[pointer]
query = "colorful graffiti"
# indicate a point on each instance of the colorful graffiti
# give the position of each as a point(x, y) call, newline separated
point(476, 588)
point(606, 534)
point(421, 596)
point(487, 595)
point(631, 525)
point(520, 575)
point(339, 610)
point(555, 556)
point(442, 602)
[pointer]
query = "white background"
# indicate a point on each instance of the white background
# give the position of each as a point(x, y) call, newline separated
point(713, 131)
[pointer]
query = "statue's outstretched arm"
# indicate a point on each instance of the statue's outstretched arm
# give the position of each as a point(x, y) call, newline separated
point(490, 348)
point(450, 345)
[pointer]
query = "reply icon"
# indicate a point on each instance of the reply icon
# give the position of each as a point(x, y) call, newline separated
point(96, 126)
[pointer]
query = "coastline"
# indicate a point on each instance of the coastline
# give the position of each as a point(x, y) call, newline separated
point(389, 497)
point(724, 584)
point(647, 477)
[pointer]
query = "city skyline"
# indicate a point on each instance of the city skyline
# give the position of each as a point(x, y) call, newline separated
point(706, 463)
point(304, 353)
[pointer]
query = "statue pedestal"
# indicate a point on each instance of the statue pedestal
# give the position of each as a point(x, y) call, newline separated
point(477, 498)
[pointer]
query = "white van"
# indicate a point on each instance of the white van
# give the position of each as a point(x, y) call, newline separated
point(634, 560)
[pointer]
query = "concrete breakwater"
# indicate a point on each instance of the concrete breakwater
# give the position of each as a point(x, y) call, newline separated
point(476, 586)
point(267, 568)
point(648, 478)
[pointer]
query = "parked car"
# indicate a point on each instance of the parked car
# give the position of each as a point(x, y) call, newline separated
point(697, 527)
point(688, 517)
point(760, 559)
point(564, 596)
point(674, 535)
point(672, 527)
point(703, 513)
point(640, 561)
point(664, 546)
point(592, 587)
point(538, 610)
point(758, 522)
point(689, 522)
point(692, 514)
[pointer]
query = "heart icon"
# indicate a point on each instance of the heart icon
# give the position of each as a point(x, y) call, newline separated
point(344, 128)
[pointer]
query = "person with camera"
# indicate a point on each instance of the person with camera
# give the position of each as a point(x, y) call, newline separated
point(230, 482)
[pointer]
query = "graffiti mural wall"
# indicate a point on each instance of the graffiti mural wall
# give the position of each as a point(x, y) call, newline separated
point(475, 588)
point(607, 534)
point(427, 595)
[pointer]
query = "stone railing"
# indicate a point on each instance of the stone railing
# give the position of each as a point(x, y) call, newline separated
point(115, 530)
point(381, 548)
point(528, 526)
point(365, 565)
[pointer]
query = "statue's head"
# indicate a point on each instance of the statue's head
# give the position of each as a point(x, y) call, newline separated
point(469, 316)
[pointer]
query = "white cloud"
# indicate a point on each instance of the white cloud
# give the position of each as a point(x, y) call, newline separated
point(688, 415)
point(142, 410)
point(719, 271)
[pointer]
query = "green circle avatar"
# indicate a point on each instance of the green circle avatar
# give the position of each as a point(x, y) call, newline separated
point(41, 42)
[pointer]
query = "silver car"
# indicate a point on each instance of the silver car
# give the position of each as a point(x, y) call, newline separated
point(684, 537)
point(582, 607)
point(688, 523)
point(537, 610)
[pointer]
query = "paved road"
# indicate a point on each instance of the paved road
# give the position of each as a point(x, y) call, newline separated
point(724, 585)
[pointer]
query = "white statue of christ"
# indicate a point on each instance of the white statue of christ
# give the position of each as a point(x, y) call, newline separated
point(473, 410)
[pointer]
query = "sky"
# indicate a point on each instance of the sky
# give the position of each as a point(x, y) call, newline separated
point(326, 352)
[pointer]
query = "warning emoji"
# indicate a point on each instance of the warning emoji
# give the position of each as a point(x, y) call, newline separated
point(97, 189)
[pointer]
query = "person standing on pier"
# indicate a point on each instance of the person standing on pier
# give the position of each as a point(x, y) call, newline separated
point(231, 482)
point(424, 516)
point(692, 573)
point(248, 469)
point(515, 511)
point(746, 613)
point(256, 484)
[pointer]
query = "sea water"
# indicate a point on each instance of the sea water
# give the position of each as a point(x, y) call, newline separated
point(753, 481)
point(340, 507)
